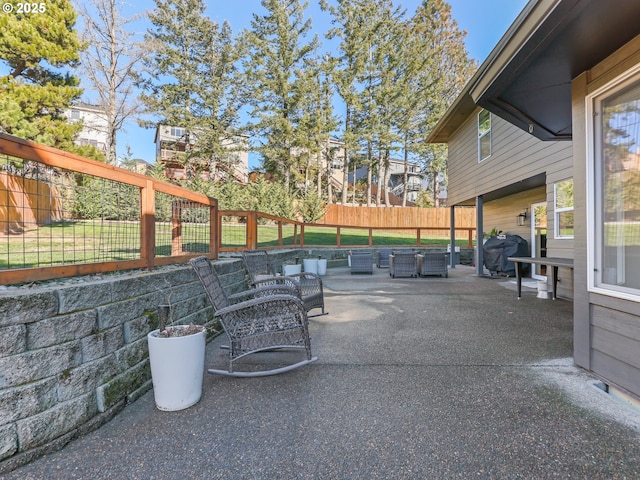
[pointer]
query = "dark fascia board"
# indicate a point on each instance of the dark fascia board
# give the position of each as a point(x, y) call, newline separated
point(464, 105)
point(529, 80)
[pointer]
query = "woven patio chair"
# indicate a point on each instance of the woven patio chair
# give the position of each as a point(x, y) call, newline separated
point(261, 272)
point(268, 320)
point(403, 264)
point(361, 262)
point(383, 257)
point(433, 264)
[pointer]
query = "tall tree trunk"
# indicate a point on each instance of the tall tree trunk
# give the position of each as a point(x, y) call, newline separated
point(436, 201)
point(369, 171)
point(405, 173)
point(387, 174)
point(345, 167)
point(320, 170)
point(329, 174)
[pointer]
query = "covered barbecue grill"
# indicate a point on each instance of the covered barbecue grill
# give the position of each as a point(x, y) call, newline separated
point(497, 249)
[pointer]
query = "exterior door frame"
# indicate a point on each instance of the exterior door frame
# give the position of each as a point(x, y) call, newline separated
point(533, 239)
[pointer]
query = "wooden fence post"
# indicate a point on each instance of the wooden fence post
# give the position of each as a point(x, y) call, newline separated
point(176, 227)
point(214, 229)
point(252, 230)
point(148, 224)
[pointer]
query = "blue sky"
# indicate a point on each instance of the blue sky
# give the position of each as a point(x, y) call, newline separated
point(485, 21)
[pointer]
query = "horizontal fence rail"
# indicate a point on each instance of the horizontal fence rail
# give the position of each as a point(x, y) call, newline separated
point(240, 230)
point(63, 215)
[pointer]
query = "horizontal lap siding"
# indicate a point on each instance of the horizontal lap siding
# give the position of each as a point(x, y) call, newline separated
point(502, 213)
point(516, 155)
point(615, 337)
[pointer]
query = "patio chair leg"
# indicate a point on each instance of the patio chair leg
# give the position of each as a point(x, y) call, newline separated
point(263, 373)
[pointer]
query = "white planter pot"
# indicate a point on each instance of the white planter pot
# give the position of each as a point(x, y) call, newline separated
point(177, 368)
point(310, 265)
point(291, 269)
point(322, 266)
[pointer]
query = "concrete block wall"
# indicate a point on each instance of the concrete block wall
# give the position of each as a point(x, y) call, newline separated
point(74, 353)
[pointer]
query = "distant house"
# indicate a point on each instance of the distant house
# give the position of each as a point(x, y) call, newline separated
point(136, 165)
point(396, 184)
point(567, 72)
point(94, 125)
point(172, 142)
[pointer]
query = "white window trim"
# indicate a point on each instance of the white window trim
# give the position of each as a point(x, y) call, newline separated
point(557, 210)
point(593, 223)
point(488, 132)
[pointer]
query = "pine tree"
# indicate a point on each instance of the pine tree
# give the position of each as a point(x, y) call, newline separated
point(350, 25)
point(273, 69)
point(36, 48)
point(189, 80)
point(438, 79)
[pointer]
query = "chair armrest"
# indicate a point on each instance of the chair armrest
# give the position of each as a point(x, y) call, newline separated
point(265, 290)
point(277, 280)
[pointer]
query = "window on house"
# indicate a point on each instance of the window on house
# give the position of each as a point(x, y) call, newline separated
point(75, 114)
point(563, 209)
point(177, 132)
point(616, 187)
point(484, 135)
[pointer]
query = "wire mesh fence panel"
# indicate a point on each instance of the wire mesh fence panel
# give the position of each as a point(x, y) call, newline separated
point(50, 216)
point(181, 226)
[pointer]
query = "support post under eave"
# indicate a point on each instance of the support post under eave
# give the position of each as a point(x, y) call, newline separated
point(452, 236)
point(479, 236)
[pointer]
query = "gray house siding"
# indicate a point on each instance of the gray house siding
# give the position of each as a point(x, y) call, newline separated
point(516, 156)
point(606, 328)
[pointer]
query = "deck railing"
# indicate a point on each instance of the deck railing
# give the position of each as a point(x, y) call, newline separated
point(63, 215)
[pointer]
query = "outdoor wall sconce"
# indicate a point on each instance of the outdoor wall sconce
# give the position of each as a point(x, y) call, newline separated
point(522, 217)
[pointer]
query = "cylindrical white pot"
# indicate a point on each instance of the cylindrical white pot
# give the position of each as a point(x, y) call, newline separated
point(543, 289)
point(177, 368)
point(291, 269)
point(322, 266)
point(310, 265)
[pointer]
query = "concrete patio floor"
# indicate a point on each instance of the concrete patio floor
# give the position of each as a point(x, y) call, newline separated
point(426, 378)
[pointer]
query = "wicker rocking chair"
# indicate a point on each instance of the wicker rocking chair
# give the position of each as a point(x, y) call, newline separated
point(270, 318)
point(262, 272)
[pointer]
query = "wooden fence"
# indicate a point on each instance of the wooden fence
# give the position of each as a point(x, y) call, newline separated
point(397, 216)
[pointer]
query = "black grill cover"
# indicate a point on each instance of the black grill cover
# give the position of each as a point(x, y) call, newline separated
point(497, 249)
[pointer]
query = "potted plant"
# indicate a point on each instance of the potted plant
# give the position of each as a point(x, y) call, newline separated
point(493, 233)
point(176, 355)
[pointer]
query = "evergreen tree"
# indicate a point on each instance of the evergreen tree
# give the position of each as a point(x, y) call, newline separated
point(350, 25)
point(438, 79)
point(189, 81)
point(273, 71)
point(36, 48)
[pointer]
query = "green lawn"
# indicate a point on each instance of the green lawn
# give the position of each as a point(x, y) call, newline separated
point(72, 242)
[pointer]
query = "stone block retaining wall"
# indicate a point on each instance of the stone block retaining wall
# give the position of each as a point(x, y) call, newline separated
point(73, 353)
